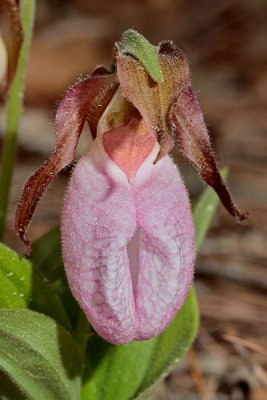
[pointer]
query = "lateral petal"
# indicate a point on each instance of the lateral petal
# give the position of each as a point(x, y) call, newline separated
point(194, 143)
point(80, 102)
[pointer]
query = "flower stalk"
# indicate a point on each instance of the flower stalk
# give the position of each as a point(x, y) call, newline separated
point(15, 100)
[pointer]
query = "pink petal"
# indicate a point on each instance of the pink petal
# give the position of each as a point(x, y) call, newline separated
point(105, 219)
point(129, 145)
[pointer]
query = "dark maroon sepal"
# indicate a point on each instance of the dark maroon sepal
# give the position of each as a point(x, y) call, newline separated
point(187, 122)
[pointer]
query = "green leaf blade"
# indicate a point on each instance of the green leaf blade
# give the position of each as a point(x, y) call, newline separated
point(204, 211)
point(38, 357)
point(46, 255)
point(24, 286)
point(15, 279)
point(104, 378)
point(143, 363)
point(171, 345)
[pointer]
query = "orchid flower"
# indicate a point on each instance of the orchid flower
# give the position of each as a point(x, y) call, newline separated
point(127, 231)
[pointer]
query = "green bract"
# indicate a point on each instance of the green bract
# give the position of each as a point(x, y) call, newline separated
point(135, 44)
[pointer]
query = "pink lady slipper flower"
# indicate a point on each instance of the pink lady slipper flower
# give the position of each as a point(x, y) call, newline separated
point(127, 231)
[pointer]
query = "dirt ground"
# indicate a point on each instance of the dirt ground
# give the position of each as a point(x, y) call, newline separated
point(226, 44)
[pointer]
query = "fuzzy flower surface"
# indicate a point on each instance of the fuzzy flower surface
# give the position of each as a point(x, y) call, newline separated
point(127, 232)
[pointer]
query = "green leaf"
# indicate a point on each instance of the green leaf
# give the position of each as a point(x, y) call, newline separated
point(172, 344)
point(115, 372)
point(15, 279)
point(144, 364)
point(204, 211)
point(23, 286)
point(46, 255)
point(135, 44)
point(38, 358)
